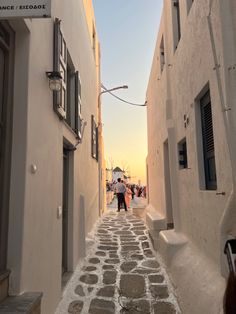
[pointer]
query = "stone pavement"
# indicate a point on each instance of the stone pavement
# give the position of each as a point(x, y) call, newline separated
point(121, 274)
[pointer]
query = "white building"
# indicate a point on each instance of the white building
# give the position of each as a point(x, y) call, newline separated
point(117, 173)
point(48, 166)
point(191, 151)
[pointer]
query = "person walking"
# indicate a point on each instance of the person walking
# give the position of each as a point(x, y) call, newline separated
point(128, 196)
point(120, 193)
point(132, 190)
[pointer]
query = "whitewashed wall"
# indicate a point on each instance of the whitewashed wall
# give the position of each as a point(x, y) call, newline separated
point(35, 232)
point(194, 246)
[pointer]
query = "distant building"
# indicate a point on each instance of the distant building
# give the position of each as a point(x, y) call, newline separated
point(48, 148)
point(191, 147)
point(117, 173)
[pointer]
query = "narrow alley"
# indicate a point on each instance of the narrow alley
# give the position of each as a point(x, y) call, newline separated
point(105, 104)
point(121, 273)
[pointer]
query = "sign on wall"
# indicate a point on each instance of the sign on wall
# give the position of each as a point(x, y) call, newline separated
point(25, 9)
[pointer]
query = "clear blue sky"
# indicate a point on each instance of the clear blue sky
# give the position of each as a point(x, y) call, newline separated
point(127, 31)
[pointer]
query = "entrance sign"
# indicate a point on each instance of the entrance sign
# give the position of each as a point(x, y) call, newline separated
point(25, 9)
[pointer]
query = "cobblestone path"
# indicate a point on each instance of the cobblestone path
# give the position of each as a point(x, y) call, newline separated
point(121, 273)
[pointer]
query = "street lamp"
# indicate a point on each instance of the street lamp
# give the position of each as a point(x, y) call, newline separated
point(112, 89)
point(99, 99)
point(55, 80)
point(100, 170)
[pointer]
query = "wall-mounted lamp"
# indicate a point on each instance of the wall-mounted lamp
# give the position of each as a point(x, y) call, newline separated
point(55, 80)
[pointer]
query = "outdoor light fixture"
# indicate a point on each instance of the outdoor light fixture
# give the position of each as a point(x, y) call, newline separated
point(55, 80)
point(105, 90)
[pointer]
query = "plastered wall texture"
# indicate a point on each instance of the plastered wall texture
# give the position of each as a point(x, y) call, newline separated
point(171, 95)
point(35, 230)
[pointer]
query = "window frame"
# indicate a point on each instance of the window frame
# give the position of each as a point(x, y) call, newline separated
point(183, 154)
point(94, 138)
point(176, 23)
point(63, 100)
point(60, 65)
point(207, 133)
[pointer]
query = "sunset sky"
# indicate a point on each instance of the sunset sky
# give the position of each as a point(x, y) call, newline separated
point(127, 30)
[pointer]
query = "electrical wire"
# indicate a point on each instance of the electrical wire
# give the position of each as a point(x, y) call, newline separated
point(123, 100)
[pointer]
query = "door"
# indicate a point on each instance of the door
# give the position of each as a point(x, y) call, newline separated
point(169, 211)
point(65, 211)
point(6, 91)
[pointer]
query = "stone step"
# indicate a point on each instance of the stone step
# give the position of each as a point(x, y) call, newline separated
point(27, 303)
point(4, 280)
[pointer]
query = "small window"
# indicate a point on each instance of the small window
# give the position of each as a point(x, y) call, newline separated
point(208, 142)
point(162, 54)
point(176, 23)
point(183, 158)
point(94, 137)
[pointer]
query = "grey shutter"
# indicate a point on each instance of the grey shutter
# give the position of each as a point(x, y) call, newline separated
point(208, 142)
point(78, 116)
point(176, 5)
point(60, 65)
point(93, 138)
point(97, 143)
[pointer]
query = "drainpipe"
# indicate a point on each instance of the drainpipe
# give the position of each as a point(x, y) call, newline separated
point(228, 219)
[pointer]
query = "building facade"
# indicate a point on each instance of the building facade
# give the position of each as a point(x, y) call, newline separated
point(191, 153)
point(117, 173)
point(49, 193)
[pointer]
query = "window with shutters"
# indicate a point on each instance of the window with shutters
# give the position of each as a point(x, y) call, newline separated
point(208, 142)
point(67, 102)
point(70, 93)
point(183, 157)
point(176, 23)
point(78, 114)
point(60, 65)
point(94, 138)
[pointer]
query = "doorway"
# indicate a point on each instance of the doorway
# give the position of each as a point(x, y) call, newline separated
point(6, 92)
point(168, 198)
point(65, 211)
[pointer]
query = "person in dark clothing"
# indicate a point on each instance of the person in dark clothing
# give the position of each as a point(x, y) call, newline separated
point(120, 193)
point(132, 190)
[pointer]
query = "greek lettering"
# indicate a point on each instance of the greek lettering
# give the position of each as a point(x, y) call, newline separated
point(25, 8)
point(31, 7)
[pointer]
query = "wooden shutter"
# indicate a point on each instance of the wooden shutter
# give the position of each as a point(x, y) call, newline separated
point(78, 116)
point(208, 142)
point(97, 143)
point(176, 5)
point(60, 64)
point(183, 157)
point(94, 137)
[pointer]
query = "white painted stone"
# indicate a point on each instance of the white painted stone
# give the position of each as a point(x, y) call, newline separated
point(205, 54)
